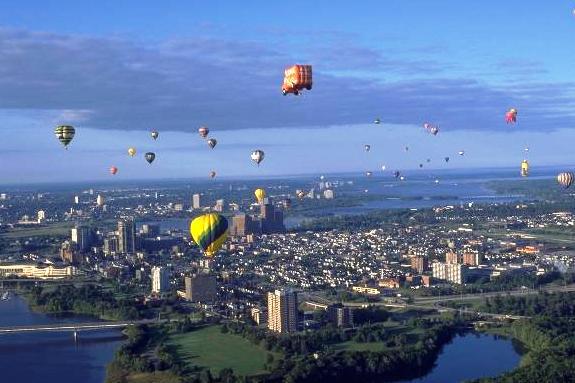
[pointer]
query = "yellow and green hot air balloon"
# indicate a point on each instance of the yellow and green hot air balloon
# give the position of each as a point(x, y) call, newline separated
point(132, 152)
point(524, 168)
point(65, 134)
point(209, 231)
point(260, 194)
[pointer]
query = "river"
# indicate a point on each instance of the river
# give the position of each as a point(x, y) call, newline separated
point(52, 357)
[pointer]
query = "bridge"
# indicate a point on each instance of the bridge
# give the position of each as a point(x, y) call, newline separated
point(74, 327)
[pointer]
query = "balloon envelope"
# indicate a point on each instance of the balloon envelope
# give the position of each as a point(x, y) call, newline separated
point(150, 157)
point(209, 231)
point(155, 134)
point(65, 134)
point(212, 143)
point(203, 131)
point(132, 152)
point(260, 194)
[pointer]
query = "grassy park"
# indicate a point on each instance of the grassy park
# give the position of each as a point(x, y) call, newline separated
point(209, 347)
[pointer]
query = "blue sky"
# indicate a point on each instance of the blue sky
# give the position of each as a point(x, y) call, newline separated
point(117, 69)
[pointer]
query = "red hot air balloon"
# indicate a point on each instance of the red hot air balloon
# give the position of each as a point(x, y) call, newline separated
point(511, 116)
point(113, 170)
point(296, 78)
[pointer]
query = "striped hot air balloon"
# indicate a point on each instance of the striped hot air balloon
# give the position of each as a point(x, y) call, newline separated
point(209, 231)
point(565, 179)
point(65, 134)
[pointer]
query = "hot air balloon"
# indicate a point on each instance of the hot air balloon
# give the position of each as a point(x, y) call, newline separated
point(406, 148)
point(367, 148)
point(113, 170)
point(212, 174)
point(383, 167)
point(428, 160)
point(301, 194)
point(565, 179)
point(297, 78)
point(436, 181)
point(432, 129)
point(524, 168)
point(150, 157)
point(203, 131)
point(65, 134)
point(209, 231)
point(322, 177)
point(260, 194)
point(257, 156)
point(368, 174)
point(377, 121)
point(396, 174)
point(420, 166)
point(212, 143)
point(511, 116)
point(402, 178)
point(132, 152)
point(446, 159)
point(155, 134)
point(461, 152)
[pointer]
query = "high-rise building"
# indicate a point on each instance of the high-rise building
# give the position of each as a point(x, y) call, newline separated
point(41, 216)
point(82, 238)
point(220, 205)
point(160, 280)
point(196, 202)
point(68, 254)
point(471, 259)
point(77, 200)
point(282, 311)
point(149, 230)
point(271, 219)
point(328, 194)
point(100, 200)
point(340, 316)
point(201, 287)
point(241, 225)
point(126, 236)
point(418, 264)
point(451, 257)
point(110, 245)
point(451, 272)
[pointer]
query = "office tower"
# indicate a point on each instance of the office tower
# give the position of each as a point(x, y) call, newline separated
point(100, 200)
point(196, 202)
point(240, 225)
point(451, 257)
point(76, 200)
point(3, 196)
point(201, 288)
point(418, 264)
point(41, 216)
point(150, 230)
point(271, 219)
point(82, 238)
point(160, 280)
point(220, 205)
point(340, 316)
point(126, 236)
point(329, 194)
point(282, 311)
point(110, 245)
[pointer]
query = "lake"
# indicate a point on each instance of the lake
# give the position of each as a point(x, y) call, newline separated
point(472, 356)
point(52, 357)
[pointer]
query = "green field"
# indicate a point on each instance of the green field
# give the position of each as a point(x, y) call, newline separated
point(208, 347)
point(57, 229)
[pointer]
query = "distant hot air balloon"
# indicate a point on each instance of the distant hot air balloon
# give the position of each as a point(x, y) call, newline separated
point(377, 121)
point(367, 147)
point(301, 194)
point(511, 116)
point(524, 168)
point(65, 134)
point(368, 174)
point(432, 129)
point(383, 167)
point(461, 152)
point(446, 159)
point(212, 174)
point(154, 134)
point(565, 179)
point(322, 177)
point(212, 143)
point(297, 78)
point(257, 156)
point(203, 131)
point(150, 157)
point(209, 231)
point(420, 166)
point(402, 178)
point(436, 181)
point(131, 152)
point(113, 170)
point(406, 148)
point(260, 194)
point(396, 174)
